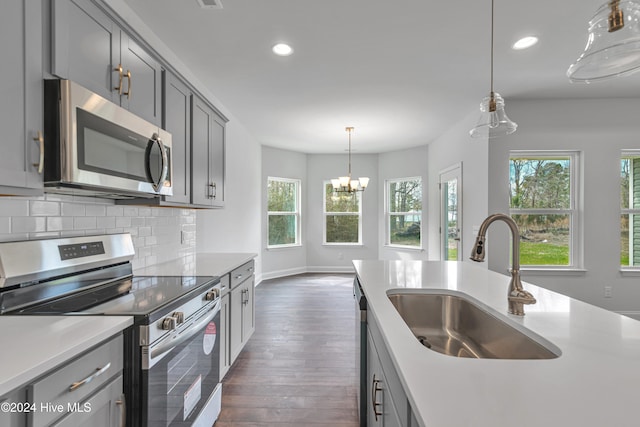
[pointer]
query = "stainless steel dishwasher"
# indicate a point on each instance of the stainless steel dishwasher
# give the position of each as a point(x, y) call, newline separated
point(361, 350)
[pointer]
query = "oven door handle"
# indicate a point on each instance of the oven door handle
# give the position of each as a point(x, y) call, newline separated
point(190, 331)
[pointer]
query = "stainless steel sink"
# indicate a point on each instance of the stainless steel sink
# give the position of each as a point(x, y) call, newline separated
point(452, 324)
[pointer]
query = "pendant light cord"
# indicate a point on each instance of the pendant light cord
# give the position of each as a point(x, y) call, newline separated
point(492, 48)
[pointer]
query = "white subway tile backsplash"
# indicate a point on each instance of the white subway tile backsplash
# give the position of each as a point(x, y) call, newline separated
point(156, 232)
point(28, 224)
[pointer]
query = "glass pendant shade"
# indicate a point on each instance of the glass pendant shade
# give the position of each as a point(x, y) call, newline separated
point(364, 181)
point(613, 44)
point(493, 120)
point(344, 181)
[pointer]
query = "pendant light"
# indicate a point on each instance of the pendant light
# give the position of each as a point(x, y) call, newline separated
point(613, 44)
point(493, 121)
point(345, 184)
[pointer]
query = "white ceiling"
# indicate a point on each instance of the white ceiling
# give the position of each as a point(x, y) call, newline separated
point(401, 72)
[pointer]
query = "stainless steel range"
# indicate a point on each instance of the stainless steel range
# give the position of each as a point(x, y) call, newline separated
point(171, 354)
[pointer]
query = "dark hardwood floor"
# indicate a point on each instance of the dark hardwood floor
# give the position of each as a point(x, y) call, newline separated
point(298, 368)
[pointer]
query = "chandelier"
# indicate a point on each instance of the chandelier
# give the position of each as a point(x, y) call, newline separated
point(345, 184)
point(493, 120)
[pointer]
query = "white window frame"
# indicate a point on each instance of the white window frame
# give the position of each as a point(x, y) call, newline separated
point(325, 214)
point(576, 251)
point(297, 213)
point(388, 213)
point(629, 211)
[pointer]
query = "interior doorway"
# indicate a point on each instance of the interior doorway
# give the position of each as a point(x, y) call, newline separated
point(450, 183)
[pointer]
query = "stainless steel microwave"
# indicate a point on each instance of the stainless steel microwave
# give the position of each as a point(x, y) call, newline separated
point(95, 147)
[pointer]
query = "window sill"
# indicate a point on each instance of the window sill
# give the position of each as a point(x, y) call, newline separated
point(271, 248)
point(630, 272)
point(541, 271)
point(343, 244)
point(404, 248)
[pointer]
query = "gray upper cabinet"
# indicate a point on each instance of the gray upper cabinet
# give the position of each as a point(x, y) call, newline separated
point(21, 98)
point(177, 121)
point(110, 64)
point(207, 155)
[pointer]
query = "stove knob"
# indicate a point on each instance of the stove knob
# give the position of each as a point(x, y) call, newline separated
point(179, 316)
point(212, 294)
point(168, 323)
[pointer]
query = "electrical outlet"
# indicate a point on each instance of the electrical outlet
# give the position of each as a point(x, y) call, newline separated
point(608, 291)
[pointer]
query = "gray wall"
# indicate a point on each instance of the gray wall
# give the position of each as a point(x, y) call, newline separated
point(403, 164)
point(284, 164)
point(600, 129)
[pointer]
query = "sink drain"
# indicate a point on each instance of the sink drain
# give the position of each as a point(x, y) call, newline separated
point(424, 341)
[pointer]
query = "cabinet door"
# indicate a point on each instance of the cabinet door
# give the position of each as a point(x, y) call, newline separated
point(248, 310)
point(235, 322)
point(104, 409)
point(216, 160)
point(201, 184)
point(21, 95)
point(177, 121)
point(225, 359)
point(142, 88)
point(85, 46)
point(14, 419)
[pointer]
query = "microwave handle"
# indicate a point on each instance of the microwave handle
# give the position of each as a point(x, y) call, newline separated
point(165, 163)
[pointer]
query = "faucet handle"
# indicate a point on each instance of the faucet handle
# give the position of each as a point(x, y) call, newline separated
point(517, 298)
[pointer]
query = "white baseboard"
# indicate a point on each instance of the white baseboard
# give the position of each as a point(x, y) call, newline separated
point(283, 273)
point(330, 269)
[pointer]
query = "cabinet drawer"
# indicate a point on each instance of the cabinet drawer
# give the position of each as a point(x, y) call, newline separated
point(241, 274)
point(66, 387)
point(224, 284)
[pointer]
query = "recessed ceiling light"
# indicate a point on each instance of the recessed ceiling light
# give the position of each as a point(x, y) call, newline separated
point(525, 42)
point(282, 49)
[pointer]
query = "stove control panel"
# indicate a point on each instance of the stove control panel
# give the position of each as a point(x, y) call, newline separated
point(79, 250)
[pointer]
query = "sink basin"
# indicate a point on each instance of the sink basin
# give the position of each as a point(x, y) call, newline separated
point(453, 324)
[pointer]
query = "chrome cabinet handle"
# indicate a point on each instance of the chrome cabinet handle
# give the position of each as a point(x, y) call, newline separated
point(122, 403)
point(128, 92)
point(213, 191)
point(375, 388)
point(39, 139)
point(119, 87)
point(97, 373)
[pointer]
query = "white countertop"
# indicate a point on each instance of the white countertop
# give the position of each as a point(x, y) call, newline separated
point(202, 264)
point(33, 345)
point(595, 382)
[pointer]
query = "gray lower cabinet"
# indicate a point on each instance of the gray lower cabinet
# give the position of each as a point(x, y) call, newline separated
point(207, 154)
point(21, 117)
point(14, 417)
point(91, 49)
point(387, 404)
point(242, 308)
point(85, 391)
point(225, 356)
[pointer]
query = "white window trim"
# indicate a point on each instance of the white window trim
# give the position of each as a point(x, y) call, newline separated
point(576, 250)
point(629, 270)
point(297, 213)
point(324, 219)
point(387, 215)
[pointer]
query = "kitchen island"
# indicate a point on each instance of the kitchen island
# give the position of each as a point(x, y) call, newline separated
point(593, 382)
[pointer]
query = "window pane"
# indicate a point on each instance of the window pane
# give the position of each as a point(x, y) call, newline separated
point(404, 230)
point(540, 183)
point(630, 182)
point(544, 239)
point(281, 196)
point(405, 196)
point(282, 230)
point(341, 202)
point(342, 228)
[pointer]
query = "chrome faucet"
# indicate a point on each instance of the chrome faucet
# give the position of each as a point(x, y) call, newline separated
point(516, 296)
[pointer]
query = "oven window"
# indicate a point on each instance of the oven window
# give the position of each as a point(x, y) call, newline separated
point(106, 148)
point(181, 383)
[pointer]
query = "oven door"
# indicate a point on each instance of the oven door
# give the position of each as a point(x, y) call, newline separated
point(182, 379)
